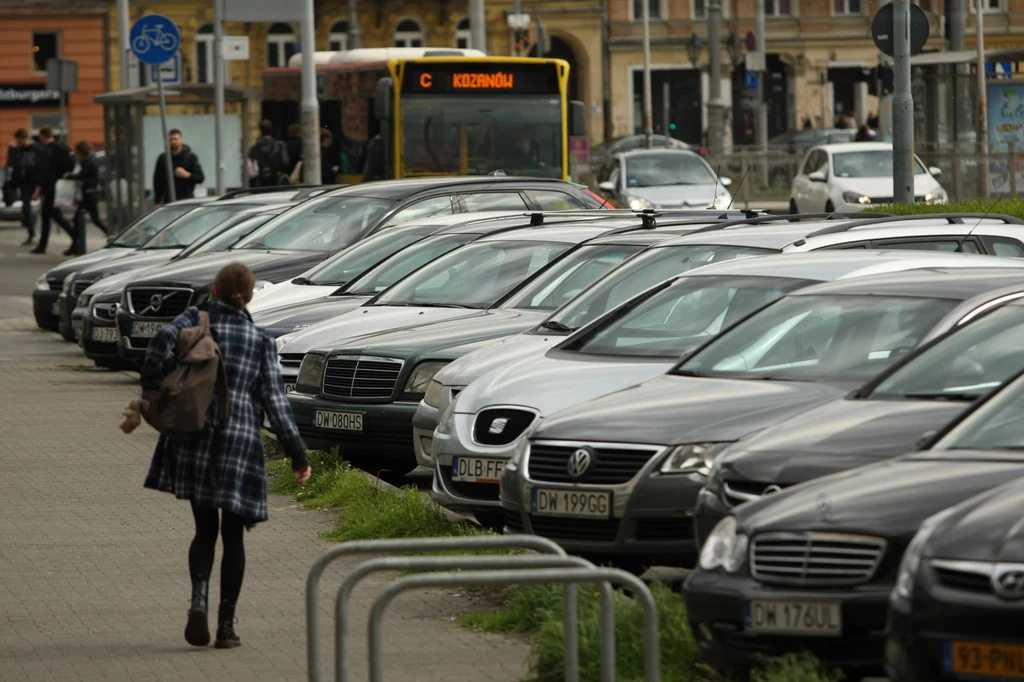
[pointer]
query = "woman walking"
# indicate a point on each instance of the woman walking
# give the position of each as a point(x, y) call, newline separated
point(89, 175)
point(221, 469)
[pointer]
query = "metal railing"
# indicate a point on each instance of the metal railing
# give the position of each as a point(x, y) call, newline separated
point(552, 565)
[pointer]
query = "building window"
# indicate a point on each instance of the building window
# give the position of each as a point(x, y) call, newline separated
point(654, 8)
point(409, 33)
point(462, 35)
point(846, 7)
point(45, 46)
point(281, 41)
point(992, 5)
point(700, 9)
point(778, 8)
point(339, 36)
point(204, 54)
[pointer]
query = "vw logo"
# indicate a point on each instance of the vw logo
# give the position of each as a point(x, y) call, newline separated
point(1008, 581)
point(579, 463)
point(772, 489)
point(498, 426)
point(155, 301)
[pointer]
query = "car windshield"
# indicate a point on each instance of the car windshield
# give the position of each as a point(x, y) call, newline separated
point(639, 274)
point(966, 365)
point(670, 168)
point(234, 230)
point(360, 257)
point(143, 229)
point(400, 265)
point(996, 425)
point(567, 278)
point(476, 276)
point(191, 226)
point(868, 164)
point(684, 315)
point(834, 337)
point(321, 224)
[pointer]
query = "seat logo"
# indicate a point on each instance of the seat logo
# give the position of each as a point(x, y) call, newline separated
point(498, 426)
point(1008, 581)
point(579, 463)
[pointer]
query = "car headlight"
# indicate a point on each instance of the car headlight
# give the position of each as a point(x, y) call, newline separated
point(83, 300)
point(936, 197)
point(433, 395)
point(422, 375)
point(695, 458)
point(447, 421)
point(42, 284)
point(638, 203)
point(310, 371)
point(722, 201)
point(68, 282)
point(724, 548)
point(856, 198)
point(911, 562)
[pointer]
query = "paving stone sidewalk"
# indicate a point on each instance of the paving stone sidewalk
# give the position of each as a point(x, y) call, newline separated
point(93, 576)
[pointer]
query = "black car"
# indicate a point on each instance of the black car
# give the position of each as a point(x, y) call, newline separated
point(813, 567)
point(313, 231)
point(884, 418)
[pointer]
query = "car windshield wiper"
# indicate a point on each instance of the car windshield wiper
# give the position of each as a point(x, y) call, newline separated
point(691, 373)
point(555, 326)
point(424, 305)
point(959, 397)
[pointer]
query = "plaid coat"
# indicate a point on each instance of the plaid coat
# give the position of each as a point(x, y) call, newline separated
point(223, 467)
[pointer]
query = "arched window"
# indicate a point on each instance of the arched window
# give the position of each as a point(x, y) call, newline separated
point(339, 36)
point(281, 41)
point(409, 33)
point(204, 54)
point(462, 34)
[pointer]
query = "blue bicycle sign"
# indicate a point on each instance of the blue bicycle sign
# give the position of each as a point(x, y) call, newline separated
point(155, 39)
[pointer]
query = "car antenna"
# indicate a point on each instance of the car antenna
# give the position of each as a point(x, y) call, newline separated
point(718, 179)
point(963, 239)
point(737, 189)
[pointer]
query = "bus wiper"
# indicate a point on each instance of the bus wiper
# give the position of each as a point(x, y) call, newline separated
point(302, 281)
point(555, 326)
point(958, 397)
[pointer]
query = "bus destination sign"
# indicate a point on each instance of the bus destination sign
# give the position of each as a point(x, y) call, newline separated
point(477, 77)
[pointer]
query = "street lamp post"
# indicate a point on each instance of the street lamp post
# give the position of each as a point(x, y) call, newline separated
point(694, 46)
point(648, 114)
point(716, 119)
point(982, 100)
point(355, 35)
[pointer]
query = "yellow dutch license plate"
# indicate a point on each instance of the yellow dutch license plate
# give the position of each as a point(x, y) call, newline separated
point(985, 659)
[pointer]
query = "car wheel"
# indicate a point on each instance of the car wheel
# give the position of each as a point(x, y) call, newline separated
point(793, 210)
point(830, 207)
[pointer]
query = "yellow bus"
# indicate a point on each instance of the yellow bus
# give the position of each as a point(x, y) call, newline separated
point(436, 111)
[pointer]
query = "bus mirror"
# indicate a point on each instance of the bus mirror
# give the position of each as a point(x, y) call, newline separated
point(382, 98)
point(577, 118)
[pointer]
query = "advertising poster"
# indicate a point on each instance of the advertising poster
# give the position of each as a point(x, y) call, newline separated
point(1005, 127)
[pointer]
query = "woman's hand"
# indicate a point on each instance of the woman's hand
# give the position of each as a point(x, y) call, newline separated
point(303, 475)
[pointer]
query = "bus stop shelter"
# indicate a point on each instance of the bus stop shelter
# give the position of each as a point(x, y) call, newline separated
point(124, 114)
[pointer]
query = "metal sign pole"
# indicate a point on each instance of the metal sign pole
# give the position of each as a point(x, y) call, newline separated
point(122, 42)
point(902, 107)
point(648, 125)
point(310, 107)
point(163, 127)
point(218, 91)
point(983, 101)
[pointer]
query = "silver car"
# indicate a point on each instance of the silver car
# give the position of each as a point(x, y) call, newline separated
point(637, 341)
point(663, 178)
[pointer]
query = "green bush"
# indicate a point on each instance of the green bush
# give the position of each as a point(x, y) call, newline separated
point(795, 668)
point(1013, 207)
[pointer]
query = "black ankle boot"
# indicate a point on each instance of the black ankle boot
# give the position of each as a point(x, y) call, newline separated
point(226, 636)
point(197, 631)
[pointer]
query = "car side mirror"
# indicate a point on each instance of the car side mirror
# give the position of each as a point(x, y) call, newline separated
point(935, 171)
point(726, 182)
point(607, 186)
point(922, 441)
point(817, 176)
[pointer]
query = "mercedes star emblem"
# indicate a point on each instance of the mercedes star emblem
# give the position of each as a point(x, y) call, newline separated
point(1008, 581)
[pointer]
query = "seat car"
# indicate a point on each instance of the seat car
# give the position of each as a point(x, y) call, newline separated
point(646, 451)
point(52, 283)
point(882, 419)
point(641, 339)
point(98, 305)
point(851, 177)
point(813, 567)
point(664, 178)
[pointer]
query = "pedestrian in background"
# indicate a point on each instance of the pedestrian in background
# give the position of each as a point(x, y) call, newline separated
point(21, 179)
point(185, 165)
point(294, 146)
point(53, 162)
point(221, 470)
point(268, 159)
point(863, 134)
point(328, 164)
point(89, 175)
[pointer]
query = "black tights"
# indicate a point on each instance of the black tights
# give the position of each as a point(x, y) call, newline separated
point(200, 554)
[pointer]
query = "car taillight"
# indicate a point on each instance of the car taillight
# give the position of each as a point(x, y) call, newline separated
point(601, 199)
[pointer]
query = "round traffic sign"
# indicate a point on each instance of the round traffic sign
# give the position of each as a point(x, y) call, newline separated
point(882, 30)
point(155, 39)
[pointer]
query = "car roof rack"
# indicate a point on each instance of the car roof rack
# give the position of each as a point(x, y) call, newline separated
point(648, 217)
point(950, 218)
point(789, 218)
point(249, 191)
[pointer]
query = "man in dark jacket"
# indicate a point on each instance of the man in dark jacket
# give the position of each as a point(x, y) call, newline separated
point(21, 179)
point(53, 162)
point(270, 157)
point(187, 171)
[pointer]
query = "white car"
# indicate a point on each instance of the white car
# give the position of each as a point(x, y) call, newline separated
point(855, 176)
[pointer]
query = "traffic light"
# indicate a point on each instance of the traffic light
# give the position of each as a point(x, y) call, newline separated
point(522, 41)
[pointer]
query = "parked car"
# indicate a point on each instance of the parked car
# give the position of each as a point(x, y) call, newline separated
point(882, 419)
point(666, 178)
point(631, 143)
point(646, 451)
point(851, 177)
point(96, 312)
point(813, 567)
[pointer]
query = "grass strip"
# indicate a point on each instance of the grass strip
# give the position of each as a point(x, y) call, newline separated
point(1011, 206)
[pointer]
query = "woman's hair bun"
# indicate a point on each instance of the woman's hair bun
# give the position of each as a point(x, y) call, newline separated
point(234, 285)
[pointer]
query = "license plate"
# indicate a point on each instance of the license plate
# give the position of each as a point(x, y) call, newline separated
point(819, 618)
point(588, 504)
point(104, 334)
point(289, 388)
point(980, 658)
point(146, 330)
point(341, 421)
point(477, 469)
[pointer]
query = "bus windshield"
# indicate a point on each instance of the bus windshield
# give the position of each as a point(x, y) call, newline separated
point(477, 134)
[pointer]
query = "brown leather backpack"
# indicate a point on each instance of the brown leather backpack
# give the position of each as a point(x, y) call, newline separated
point(179, 405)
